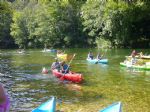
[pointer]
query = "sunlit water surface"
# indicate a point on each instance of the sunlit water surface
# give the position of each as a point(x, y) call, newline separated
point(103, 83)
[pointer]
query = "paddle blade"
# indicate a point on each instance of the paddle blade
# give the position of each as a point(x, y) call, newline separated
point(49, 106)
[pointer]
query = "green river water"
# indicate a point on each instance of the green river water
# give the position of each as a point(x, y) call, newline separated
point(103, 83)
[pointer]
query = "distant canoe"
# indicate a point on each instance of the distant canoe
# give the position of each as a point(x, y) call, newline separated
point(142, 67)
point(49, 106)
point(140, 57)
point(116, 107)
point(49, 50)
point(95, 61)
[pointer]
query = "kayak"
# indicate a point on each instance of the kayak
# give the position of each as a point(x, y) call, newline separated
point(49, 50)
point(116, 107)
point(5, 106)
point(142, 67)
point(49, 106)
point(141, 57)
point(104, 61)
point(71, 76)
point(62, 56)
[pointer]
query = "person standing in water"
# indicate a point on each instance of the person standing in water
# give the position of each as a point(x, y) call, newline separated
point(4, 101)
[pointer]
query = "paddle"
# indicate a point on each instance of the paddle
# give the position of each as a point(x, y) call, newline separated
point(70, 62)
point(67, 67)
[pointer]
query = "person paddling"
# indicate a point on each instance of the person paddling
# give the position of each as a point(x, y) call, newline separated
point(64, 67)
point(98, 57)
point(55, 65)
point(134, 53)
point(90, 55)
point(133, 60)
point(4, 101)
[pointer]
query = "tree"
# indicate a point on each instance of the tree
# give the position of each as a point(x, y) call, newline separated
point(5, 21)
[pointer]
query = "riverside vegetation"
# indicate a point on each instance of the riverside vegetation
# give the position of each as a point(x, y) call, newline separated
point(72, 23)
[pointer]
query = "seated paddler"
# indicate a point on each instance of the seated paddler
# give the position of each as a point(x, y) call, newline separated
point(90, 55)
point(56, 65)
point(64, 67)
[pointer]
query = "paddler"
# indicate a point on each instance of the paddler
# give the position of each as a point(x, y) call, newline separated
point(98, 57)
point(64, 67)
point(134, 53)
point(56, 65)
point(133, 60)
point(90, 55)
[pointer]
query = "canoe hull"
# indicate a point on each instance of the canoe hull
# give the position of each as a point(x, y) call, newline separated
point(49, 50)
point(144, 67)
point(71, 76)
point(49, 106)
point(140, 57)
point(116, 107)
point(95, 61)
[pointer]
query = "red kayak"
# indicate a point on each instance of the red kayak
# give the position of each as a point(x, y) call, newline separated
point(71, 76)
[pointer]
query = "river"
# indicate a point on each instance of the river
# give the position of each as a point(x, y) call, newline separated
point(103, 83)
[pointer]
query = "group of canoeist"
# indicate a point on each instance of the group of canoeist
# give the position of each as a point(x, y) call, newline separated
point(60, 66)
point(91, 56)
point(137, 61)
point(133, 57)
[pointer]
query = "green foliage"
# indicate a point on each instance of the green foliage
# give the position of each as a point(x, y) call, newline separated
point(120, 22)
point(72, 23)
point(5, 21)
point(48, 23)
point(102, 43)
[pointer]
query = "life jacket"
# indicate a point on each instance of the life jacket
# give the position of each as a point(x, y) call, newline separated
point(65, 68)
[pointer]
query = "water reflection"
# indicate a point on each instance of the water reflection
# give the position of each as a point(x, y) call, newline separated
point(102, 85)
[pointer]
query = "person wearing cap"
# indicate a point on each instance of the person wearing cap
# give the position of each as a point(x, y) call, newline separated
point(55, 65)
point(64, 67)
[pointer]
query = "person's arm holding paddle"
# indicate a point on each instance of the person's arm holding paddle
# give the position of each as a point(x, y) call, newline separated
point(66, 67)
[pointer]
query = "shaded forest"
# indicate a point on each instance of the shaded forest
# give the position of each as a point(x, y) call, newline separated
point(74, 23)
